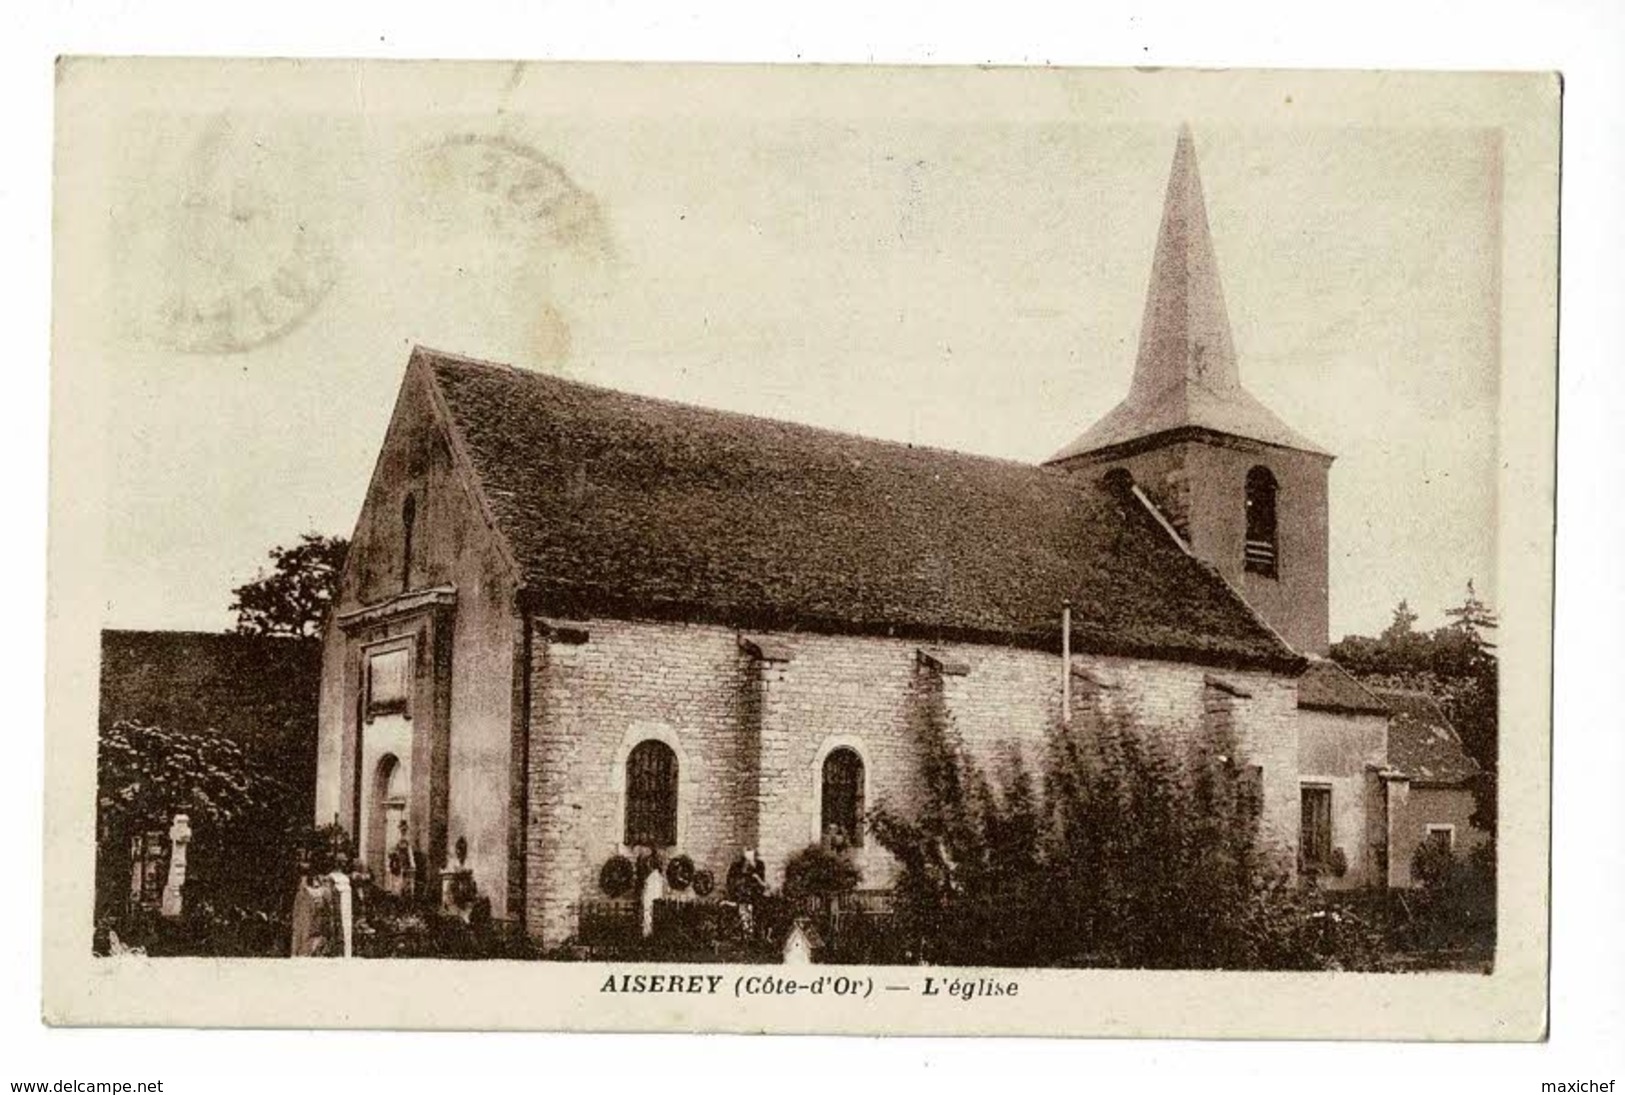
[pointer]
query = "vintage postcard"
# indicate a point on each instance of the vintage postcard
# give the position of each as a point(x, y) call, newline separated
point(709, 548)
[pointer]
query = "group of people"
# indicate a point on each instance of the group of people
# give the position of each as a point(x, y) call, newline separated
point(325, 902)
point(745, 886)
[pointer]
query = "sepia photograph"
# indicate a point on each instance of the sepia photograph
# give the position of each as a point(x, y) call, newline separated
point(971, 529)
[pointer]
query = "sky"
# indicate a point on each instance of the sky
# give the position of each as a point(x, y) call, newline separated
point(262, 264)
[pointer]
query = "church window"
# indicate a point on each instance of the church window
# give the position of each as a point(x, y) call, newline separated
point(651, 795)
point(409, 517)
point(841, 797)
point(1315, 834)
point(1260, 553)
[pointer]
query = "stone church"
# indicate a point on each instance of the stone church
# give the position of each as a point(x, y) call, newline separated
point(575, 622)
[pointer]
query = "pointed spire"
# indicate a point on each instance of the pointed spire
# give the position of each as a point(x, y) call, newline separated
point(1186, 373)
point(1185, 331)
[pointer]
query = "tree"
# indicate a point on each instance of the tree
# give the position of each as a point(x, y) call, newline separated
point(1471, 619)
point(1456, 664)
point(294, 598)
point(1403, 624)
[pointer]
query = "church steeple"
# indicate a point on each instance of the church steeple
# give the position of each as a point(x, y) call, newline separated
point(1185, 331)
point(1245, 492)
point(1185, 374)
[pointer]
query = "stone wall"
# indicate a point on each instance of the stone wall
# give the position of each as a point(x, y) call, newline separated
point(1344, 751)
point(751, 725)
point(1425, 806)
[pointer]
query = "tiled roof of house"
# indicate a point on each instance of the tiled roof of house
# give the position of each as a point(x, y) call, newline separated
point(621, 505)
point(1327, 686)
point(1421, 742)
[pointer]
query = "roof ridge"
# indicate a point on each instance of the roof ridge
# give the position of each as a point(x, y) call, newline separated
point(1416, 693)
point(198, 633)
point(908, 446)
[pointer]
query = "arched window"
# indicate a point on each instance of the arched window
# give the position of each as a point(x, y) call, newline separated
point(841, 815)
point(1260, 554)
point(651, 795)
point(409, 519)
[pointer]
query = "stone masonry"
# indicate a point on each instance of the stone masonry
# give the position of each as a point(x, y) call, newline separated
point(751, 722)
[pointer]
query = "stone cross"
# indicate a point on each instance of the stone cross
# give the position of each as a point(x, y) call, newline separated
point(344, 895)
point(180, 835)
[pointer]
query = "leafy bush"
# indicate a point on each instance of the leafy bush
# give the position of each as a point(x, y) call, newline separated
point(1126, 851)
point(1455, 903)
point(817, 871)
point(242, 814)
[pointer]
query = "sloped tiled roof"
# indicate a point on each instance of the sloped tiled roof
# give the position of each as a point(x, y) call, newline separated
point(1180, 406)
point(621, 505)
point(1326, 686)
point(1421, 742)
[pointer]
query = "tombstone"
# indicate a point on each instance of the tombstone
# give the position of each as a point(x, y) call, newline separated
point(342, 894)
point(180, 835)
point(146, 863)
point(137, 871)
point(654, 888)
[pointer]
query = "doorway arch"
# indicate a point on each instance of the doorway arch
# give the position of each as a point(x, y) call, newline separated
point(388, 814)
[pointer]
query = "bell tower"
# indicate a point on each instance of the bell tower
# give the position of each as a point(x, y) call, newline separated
point(1246, 492)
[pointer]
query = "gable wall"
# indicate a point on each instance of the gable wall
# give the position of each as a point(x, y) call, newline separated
point(452, 546)
point(751, 736)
